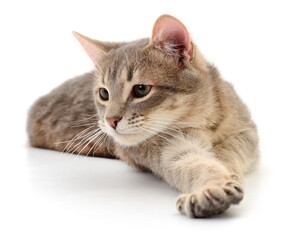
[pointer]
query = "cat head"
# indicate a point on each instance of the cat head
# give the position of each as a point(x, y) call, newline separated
point(150, 86)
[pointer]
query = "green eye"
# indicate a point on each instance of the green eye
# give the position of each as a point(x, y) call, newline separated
point(140, 91)
point(103, 93)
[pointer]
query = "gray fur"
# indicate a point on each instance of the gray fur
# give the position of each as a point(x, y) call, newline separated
point(191, 130)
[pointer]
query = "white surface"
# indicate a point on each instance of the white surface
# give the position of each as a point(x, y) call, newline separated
point(49, 195)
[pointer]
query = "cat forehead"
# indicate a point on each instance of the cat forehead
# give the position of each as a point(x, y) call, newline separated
point(129, 51)
point(126, 77)
point(135, 63)
point(123, 64)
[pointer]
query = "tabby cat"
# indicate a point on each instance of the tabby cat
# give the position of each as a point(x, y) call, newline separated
point(161, 107)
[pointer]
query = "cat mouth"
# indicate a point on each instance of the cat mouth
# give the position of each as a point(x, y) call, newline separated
point(127, 138)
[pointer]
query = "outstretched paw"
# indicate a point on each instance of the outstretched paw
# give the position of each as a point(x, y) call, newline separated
point(211, 200)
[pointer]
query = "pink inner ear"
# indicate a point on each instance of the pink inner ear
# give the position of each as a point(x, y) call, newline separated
point(93, 52)
point(168, 29)
point(174, 33)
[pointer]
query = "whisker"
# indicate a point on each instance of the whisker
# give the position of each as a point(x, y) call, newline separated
point(79, 144)
point(166, 129)
point(83, 137)
point(166, 132)
point(166, 120)
point(88, 120)
point(83, 125)
point(83, 142)
point(102, 141)
point(75, 138)
point(169, 126)
point(166, 126)
point(97, 141)
point(154, 133)
point(108, 145)
point(175, 129)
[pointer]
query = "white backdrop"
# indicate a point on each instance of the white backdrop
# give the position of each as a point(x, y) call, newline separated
point(47, 195)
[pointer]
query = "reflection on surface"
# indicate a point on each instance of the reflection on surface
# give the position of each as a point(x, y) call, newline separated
point(77, 197)
point(90, 179)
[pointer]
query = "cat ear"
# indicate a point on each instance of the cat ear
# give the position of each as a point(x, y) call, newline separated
point(171, 36)
point(92, 47)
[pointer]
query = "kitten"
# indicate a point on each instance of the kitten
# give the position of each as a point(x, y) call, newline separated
point(158, 105)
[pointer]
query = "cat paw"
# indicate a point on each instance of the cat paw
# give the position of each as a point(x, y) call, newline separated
point(210, 201)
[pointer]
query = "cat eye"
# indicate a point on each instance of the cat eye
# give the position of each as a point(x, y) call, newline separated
point(103, 93)
point(140, 91)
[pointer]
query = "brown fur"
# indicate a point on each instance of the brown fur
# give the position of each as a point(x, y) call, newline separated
point(191, 130)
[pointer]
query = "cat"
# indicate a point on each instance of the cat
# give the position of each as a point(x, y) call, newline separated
point(161, 107)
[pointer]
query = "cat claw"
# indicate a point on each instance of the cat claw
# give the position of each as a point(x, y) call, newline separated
point(210, 201)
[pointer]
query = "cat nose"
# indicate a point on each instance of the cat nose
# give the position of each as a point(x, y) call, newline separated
point(113, 121)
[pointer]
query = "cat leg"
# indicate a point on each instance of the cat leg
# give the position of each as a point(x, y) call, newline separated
point(213, 188)
point(211, 179)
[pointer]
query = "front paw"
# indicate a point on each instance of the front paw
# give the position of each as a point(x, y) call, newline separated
point(210, 200)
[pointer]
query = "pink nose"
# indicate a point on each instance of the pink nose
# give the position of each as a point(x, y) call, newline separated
point(113, 121)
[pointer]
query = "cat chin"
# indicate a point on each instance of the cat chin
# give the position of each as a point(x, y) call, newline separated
point(126, 139)
point(129, 139)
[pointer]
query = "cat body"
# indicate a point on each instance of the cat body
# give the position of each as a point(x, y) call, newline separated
point(158, 105)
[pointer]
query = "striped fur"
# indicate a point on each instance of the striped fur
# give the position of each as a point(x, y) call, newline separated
point(191, 130)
